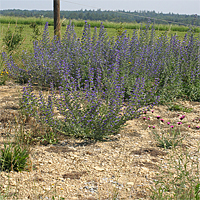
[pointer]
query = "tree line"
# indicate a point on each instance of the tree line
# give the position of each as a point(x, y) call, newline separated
point(112, 16)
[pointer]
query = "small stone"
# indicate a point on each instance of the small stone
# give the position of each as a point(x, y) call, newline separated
point(99, 168)
point(130, 183)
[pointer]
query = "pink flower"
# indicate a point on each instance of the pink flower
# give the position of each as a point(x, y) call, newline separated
point(153, 127)
point(158, 117)
point(144, 118)
point(168, 123)
point(172, 126)
point(189, 126)
point(182, 117)
point(197, 127)
point(149, 126)
point(152, 111)
point(179, 123)
point(148, 118)
point(162, 120)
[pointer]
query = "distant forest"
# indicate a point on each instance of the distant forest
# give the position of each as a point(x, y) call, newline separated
point(112, 16)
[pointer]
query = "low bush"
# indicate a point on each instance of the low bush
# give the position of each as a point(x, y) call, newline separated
point(13, 39)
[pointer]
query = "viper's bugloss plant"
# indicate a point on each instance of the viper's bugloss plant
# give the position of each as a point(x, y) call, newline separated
point(102, 81)
point(91, 111)
point(143, 55)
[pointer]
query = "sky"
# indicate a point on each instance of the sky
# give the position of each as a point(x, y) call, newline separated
point(164, 6)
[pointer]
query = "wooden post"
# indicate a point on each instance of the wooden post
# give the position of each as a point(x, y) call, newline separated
point(56, 7)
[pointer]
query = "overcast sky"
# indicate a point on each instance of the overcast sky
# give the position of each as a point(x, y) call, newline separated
point(165, 6)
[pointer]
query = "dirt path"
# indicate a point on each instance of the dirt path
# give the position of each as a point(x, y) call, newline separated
point(123, 167)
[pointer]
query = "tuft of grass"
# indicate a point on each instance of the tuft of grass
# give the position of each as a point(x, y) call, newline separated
point(179, 179)
point(13, 158)
point(168, 139)
point(177, 107)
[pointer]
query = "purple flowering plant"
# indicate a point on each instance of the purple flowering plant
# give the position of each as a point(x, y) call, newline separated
point(102, 82)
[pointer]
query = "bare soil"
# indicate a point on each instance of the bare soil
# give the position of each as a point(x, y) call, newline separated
point(122, 167)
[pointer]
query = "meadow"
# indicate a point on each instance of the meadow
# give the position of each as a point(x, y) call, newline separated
point(89, 84)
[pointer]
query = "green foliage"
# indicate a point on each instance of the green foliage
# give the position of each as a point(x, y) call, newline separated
point(179, 180)
point(168, 139)
point(36, 31)
point(13, 39)
point(197, 191)
point(176, 107)
point(3, 77)
point(120, 29)
point(49, 138)
point(13, 158)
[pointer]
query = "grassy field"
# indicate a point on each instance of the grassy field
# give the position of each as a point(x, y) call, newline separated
point(80, 23)
point(28, 32)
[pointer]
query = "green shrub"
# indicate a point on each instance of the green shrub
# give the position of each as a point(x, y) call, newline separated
point(176, 107)
point(36, 31)
point(13, 40)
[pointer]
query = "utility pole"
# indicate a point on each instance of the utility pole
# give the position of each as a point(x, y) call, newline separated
point(56, 7)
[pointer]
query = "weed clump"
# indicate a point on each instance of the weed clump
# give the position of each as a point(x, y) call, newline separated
point(13, 158)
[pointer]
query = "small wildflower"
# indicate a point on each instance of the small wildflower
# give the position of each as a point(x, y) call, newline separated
point(189, 126)
point(148, 118)
point(152, 111)
point(144, 118)
point(182, 117)
point(158, 117)
point(153, 127)
point(162, 120)
point(172, 126)
point(129, 62)
point(149, 126)
point(168, 123)
point(145, 112)
point(197, 127)
point(179, 123)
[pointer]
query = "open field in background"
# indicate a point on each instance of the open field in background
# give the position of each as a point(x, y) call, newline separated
point(28, 32)
point(80, 23)
point(111, 27)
